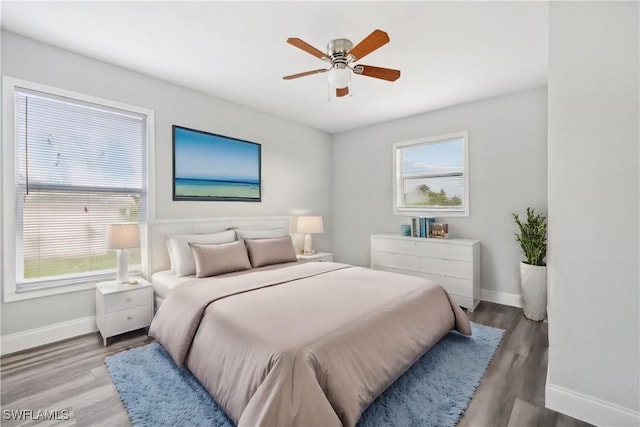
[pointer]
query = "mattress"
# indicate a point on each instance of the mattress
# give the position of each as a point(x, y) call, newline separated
point(164, 281)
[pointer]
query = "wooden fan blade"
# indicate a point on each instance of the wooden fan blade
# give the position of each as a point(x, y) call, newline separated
point(342, 91)
point(306, 73)
point(370, 43)
point(377, 72)
point(301, 44)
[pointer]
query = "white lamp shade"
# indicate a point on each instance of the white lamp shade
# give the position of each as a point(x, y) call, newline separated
point(310, 224)
point(339, 77)
point(123, 236)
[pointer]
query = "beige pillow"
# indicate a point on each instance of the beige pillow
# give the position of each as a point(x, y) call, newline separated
point(270, 251)
point(212, 260)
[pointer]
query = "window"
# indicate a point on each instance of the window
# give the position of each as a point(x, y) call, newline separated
point(79, 163)
point(432, 176)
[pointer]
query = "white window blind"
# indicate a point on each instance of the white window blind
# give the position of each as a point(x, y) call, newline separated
point(79, 166)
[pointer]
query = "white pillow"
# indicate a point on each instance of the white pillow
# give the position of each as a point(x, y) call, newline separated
point(268, 233)
point(173, 266)
point(182, 261)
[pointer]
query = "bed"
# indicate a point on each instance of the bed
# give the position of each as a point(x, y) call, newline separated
point(293, 344)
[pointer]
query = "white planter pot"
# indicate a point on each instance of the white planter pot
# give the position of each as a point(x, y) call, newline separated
point(533, 279)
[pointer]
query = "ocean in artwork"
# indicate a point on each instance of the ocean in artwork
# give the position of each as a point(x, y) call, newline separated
point(186, 187)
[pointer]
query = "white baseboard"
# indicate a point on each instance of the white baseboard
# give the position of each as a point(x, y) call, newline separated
point(47, 334)
point(588, 408)
point(504, 298)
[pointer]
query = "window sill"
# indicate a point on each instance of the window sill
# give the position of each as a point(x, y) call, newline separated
point(11, 295)
point(429, 213)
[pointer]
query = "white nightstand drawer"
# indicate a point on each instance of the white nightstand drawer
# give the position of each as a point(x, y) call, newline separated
point(121, 300)
point(447, 267)
point(317, 257)
point(128, 320)
point(447, 251)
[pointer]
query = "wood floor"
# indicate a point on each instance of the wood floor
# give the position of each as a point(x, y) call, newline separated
point(71, 376)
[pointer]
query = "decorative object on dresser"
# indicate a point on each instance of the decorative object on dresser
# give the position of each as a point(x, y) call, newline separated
point(453, 263)
point(439, 231)
point(317, 257)
point(309, 225)
point(120, 237)
point(420, 227)
point(123, 307)
point(532, 238)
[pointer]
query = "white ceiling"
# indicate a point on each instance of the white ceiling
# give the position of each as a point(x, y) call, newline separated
point(449, 52)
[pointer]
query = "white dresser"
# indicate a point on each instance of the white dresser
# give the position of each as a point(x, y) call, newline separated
point(453, 263)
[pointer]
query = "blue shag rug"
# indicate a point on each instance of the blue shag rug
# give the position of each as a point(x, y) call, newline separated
point(433, 392)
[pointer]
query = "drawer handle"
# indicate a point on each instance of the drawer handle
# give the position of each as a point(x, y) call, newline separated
point(129, 299)
point(129, 317)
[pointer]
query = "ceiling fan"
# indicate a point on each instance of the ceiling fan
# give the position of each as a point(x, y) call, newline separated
point(341, 54)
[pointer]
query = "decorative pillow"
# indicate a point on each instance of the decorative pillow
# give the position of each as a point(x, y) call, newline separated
point(261, 234)
point(212, 260)
point(180, 253)
point(270, 251)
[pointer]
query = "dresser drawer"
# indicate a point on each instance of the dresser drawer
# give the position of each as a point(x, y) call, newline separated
point(122, 300)
point(447, 267)
point(453, 285)
point(128, 319)
point(397, 261)
point(444, 250)
point(466, 302)
point(396, 246)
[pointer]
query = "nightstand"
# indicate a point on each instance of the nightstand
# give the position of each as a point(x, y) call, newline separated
point(121, 307)
point(317, 257)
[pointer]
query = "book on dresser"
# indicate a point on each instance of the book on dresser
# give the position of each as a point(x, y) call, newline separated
point(453, 263)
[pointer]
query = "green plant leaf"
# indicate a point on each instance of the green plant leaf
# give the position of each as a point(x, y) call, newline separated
point(532, 237)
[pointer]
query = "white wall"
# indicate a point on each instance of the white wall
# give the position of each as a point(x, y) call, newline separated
point(296, 160)
point(593, 273)
point(508, 172)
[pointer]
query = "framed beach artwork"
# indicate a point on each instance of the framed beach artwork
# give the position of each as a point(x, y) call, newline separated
point(207, 166)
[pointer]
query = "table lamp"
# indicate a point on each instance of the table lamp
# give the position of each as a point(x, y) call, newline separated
point(120, 237)
point(309, 225)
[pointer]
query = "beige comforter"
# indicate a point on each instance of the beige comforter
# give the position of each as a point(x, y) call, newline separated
point(306, 345)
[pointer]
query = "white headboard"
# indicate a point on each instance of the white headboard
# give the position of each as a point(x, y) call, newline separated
point(153, 234)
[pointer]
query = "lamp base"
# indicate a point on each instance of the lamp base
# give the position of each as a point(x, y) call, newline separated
point(122, 272)
point(307, 245)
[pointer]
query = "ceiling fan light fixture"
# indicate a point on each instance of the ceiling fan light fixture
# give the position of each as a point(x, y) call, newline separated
point(341, 54)
point(339, 78)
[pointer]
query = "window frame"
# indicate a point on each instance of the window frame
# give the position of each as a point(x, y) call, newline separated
point(10, 244)
point(398, 209)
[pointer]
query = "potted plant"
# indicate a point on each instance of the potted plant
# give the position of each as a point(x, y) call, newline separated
point(533, 272)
